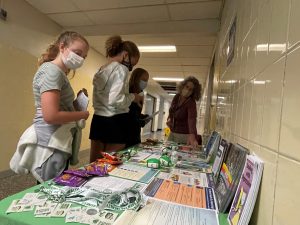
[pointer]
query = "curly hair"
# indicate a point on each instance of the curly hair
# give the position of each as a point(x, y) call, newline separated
point(196, 95)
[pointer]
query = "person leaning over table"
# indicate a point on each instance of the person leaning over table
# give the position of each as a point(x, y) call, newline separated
point(111, 98)
point(137, 83)
point(46, 148)
point(183, 112)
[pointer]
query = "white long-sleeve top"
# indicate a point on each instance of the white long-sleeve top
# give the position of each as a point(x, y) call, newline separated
point(111, 90)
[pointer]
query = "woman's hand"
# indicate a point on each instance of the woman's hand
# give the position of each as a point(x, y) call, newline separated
point(169, 122)
point(85, 115)
point(192, 141)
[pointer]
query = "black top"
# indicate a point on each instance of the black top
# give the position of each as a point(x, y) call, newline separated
point(135, 124)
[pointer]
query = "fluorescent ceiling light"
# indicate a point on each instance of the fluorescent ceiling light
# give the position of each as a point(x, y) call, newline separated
point(162, 48)
point(229, 81)
point(167, 79)
point(172, 94)
point(260, 81)
point(271, 47)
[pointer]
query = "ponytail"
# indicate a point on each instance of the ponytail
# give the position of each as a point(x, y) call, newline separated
point(115, 45)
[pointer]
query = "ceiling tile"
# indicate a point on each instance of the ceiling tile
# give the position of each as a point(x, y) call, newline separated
point(129, 15)
point(205, 27)
point(112, 4)
point(198, 10)
point(53, 6)
point(194, 51)
point(182, 1)
point(159, 61)
point(195, 69)
point(195, 61)
point(71, 19)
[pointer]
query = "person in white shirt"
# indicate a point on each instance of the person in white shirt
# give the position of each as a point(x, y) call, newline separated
point(111, 98)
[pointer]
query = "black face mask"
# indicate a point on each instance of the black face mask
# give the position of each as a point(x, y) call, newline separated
point(127, 64)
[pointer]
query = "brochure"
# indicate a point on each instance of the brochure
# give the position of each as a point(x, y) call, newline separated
point(113, 184)
point(229, 176)
point(245, 197)
point(151, 116)
point(134, 172)
point(190, 195)
point(220, 157)
point(190, 178)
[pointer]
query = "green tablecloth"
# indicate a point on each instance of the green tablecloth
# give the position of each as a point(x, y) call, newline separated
point(27, 218)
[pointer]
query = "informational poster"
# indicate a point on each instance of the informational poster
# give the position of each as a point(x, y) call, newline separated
point(190, 195)
point(134, 172)
point(231, 42)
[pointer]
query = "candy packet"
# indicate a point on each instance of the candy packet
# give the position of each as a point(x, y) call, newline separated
point(97, 169)
point(77, 172)
point(70, 180)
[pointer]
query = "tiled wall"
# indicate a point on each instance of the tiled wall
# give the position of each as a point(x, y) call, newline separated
point(259, 98)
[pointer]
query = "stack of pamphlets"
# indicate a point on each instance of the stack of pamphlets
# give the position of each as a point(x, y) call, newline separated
point(220, 157)
point(229, 176)
point(163, 213)
point(245, 196)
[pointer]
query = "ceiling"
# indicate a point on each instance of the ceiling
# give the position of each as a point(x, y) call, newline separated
point(191, 25)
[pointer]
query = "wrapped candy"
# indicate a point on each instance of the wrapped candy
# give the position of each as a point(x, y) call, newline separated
point(97, 169)
point(70, 180)
point(77, 172)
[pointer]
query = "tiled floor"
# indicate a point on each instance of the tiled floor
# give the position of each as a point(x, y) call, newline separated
point(13, 183)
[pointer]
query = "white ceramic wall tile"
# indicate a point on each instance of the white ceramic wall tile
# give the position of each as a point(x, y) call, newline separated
point(262, 40)
point(263, 211)
point(228, 122)
point(244, 54)
point(240, 21)
point(255, 7)
point(239, 112)
point(273, 78)
point(251, 45)
point(234, 111)
point(256, 112)
point(254, 148)
point(246, 111)
point(246, 17)
point(243, 143)
point(278, 29)
point(286, 210)
point(294, 31)
point(290, 124)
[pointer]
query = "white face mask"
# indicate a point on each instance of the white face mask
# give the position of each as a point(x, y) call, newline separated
point(143, 84)
point(72, 61)
point(186, 93)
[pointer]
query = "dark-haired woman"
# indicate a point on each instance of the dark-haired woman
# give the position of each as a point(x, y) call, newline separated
point(111, 98)
point(183, 113)
point(53, 140)
point(137, 83)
